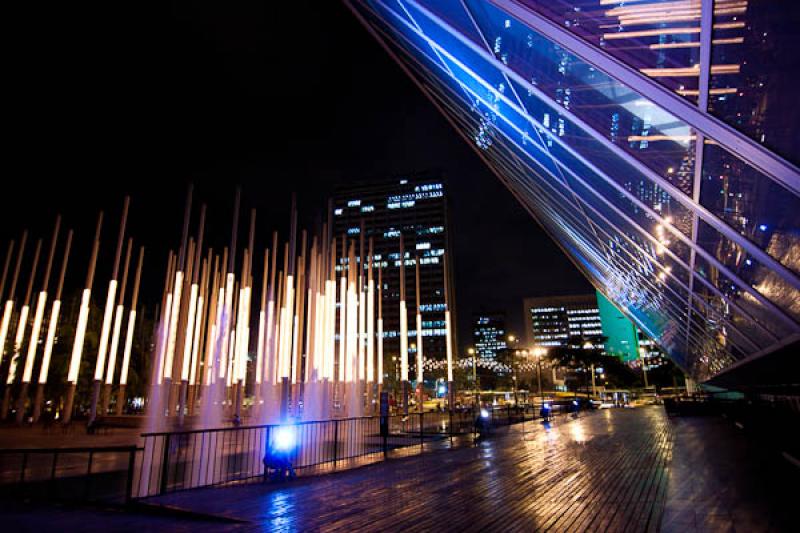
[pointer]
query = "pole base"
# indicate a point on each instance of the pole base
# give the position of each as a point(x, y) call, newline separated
point(21, 401)
point(69, 404)
point(120, 400)
point(37, 402)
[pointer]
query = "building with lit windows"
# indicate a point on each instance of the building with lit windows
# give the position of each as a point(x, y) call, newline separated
point(489, 335)
point(415, 205)
point(551, 320)
point(655, 141)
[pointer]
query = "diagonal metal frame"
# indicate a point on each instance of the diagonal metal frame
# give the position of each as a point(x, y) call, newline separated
point(493, 167)
point(433, 79)
point(763, 159)
point(545, 99)
point(758, 254)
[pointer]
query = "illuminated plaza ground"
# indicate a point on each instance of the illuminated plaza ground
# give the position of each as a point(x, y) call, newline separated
point(614, 470)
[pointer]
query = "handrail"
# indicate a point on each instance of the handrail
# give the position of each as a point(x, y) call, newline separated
point(83, 449)
point(264, 426)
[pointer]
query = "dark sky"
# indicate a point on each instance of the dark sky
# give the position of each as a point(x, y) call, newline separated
point(106, 99)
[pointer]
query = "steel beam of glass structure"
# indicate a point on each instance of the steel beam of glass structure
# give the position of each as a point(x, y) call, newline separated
point(642, 137)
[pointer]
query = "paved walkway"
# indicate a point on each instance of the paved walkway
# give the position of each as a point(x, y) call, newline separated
point(616, 470)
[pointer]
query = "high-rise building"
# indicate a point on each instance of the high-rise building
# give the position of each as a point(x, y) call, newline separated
point(655, 141)
point(416, 206)
point(489, 335)
point(551, 320)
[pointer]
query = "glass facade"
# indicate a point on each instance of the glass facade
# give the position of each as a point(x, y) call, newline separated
point(644, 137)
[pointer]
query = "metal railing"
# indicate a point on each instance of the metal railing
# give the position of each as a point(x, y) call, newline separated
point(180, 460)
point(86, 474)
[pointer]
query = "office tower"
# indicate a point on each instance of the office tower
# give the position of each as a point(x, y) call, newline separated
point(551, 320)
point(416, 206)
point(489, 335)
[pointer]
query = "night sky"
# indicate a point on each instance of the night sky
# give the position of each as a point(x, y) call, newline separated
point(107, 99)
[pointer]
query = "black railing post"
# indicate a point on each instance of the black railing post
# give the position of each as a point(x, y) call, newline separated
point(129, 481)
point(421, 437)
point(385, 434)
point(450, 425)
point(265, 461)
point(335, 441)
point(165, 465)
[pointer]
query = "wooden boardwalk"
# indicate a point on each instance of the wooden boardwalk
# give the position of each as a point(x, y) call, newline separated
point(607, 471)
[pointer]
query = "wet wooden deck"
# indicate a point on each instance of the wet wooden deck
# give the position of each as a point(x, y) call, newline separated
point(605, 471)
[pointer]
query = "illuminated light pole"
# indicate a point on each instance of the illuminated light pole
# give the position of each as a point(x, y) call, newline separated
point(9, 305)
point(342, 323)
point(299, 324)
point(169, 394)
point(351, 340)
point(380, 328)
point(403, 328)
point(51, 333)
point(194, 332)
point(198, 342)
point(287, 314)
point(215, 299)
point(420, 356)
point(448, 337)
point(310, 373)
point(194, 254)
point(262, 332)
point(107, 317)
point(20, 334)
point(105, 397)
point(243, 322)
point(360, 288)
point(38, 317)
point(194, 314)
point(271, 365)
point(80, 328)
point(370, 328)
point(126, 354)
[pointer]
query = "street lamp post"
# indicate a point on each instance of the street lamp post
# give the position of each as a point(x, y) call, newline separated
point(471, 351)
point(515, 355)
point(538, 352)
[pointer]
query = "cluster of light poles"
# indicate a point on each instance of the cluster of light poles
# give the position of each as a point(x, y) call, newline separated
point(320, 342)
point(315, 336)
